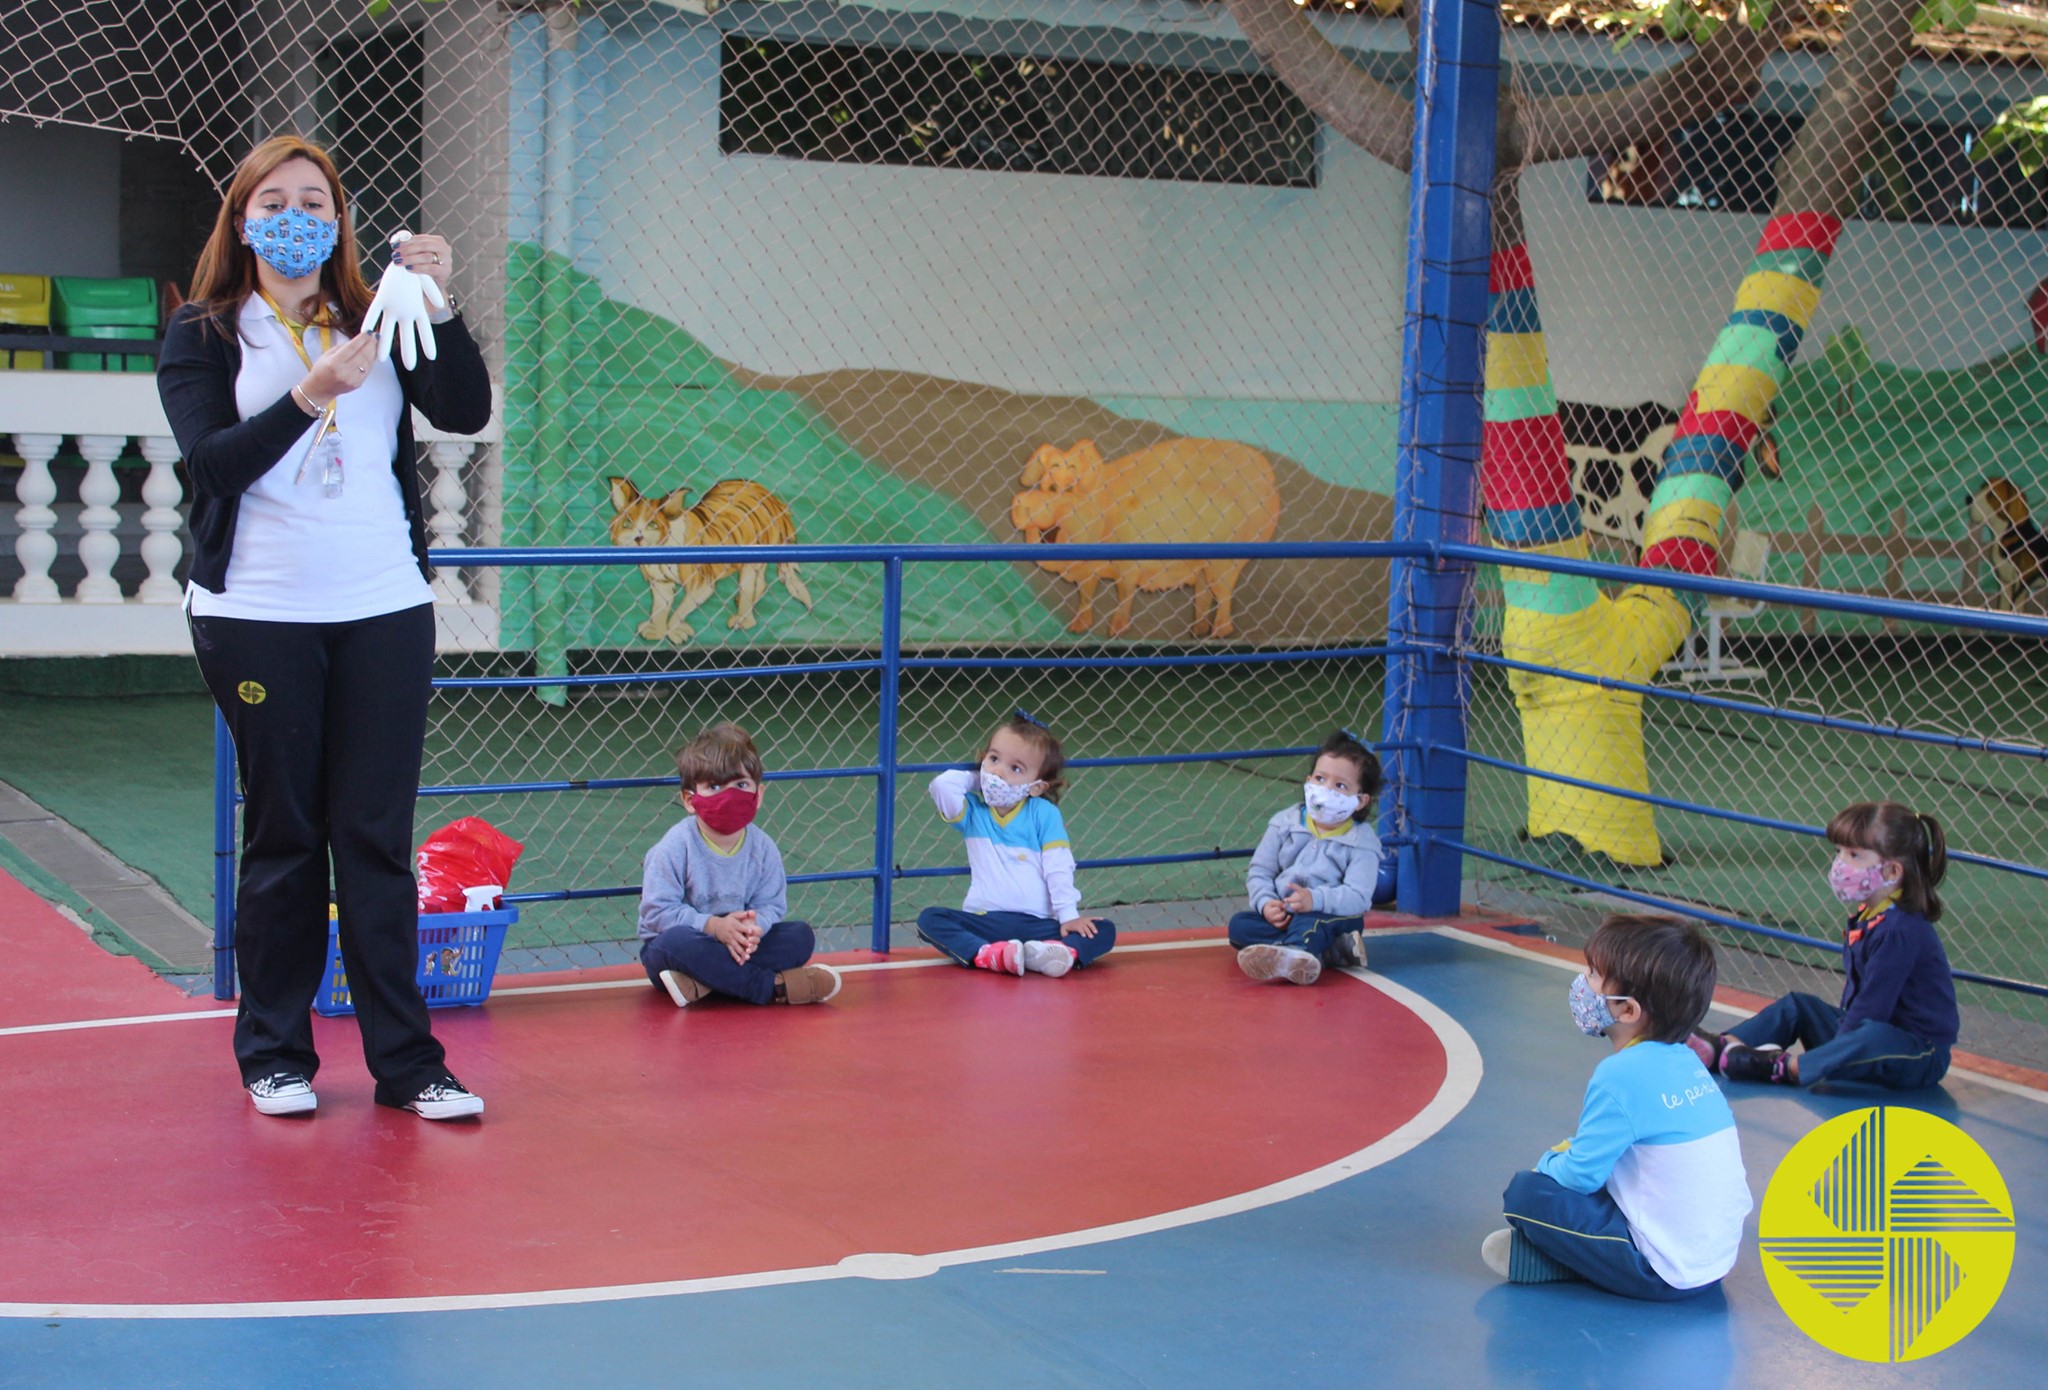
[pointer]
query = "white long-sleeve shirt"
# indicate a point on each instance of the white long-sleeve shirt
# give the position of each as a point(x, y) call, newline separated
point(1018, 860)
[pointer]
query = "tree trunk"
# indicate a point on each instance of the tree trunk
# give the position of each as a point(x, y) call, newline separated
point(1570, 727)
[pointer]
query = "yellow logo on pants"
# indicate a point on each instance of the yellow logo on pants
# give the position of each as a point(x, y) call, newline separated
point(1887, 1234)
point(252, 693)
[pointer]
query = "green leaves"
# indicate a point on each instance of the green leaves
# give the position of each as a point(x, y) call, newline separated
point(1945, 14)
point(2024, 131)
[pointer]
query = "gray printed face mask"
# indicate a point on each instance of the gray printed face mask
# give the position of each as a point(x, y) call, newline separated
point(1001, 795)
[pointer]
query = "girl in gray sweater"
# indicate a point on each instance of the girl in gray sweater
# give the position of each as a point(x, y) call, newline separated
point(1313, 874)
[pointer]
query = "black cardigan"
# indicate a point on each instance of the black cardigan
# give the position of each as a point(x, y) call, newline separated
point(225, 454)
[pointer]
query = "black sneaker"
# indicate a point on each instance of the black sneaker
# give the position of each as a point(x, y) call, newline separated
point(282, 1093)
point(446, 1099)
point(1739, 1063)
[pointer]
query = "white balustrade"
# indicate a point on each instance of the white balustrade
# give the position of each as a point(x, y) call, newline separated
point(99, 548)
point(448, 499)
point(161, 492)
point(101, 413)
point(35, 547)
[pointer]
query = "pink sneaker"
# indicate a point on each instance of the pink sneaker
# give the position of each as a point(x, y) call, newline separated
point(1005, 956)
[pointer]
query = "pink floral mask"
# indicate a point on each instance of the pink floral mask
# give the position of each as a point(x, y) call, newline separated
point(1856, 885)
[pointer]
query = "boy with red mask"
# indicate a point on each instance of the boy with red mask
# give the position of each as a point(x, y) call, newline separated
point(713, 892)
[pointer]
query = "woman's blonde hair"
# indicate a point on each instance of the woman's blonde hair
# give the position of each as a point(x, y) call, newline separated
point(226, 273)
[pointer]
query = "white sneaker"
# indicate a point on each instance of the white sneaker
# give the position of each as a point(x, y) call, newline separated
point(282, 1093)
point(1050, 958)
point(1349, 950)
point(1495, 1248)
point(1280, 963)
point(446, 1099)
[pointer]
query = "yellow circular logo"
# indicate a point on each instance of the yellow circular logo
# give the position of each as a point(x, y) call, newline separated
point(1887, 1234)
point(252, 693)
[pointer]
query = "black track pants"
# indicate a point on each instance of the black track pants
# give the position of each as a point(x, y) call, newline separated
point(328, 721)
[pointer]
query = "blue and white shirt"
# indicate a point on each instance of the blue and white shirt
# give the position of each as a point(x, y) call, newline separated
point(1018, 860)
point(1657, 1133)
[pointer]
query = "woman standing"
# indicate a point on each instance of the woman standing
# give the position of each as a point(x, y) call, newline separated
point(310, 612)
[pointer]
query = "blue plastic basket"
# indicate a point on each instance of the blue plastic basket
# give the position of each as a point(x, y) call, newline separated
point(458, 959)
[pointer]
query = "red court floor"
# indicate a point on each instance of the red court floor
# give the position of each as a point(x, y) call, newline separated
point(926, 1109)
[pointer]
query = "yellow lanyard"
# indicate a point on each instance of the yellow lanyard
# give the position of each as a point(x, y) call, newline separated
point(292, 329)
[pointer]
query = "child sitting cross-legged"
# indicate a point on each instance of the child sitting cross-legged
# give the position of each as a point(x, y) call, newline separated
point(1312, 876)
point(713, 895)
point(1647, 1199)
point(1022, 911)
point(1898, 1018)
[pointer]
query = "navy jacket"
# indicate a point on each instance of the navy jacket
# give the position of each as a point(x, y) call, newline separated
point(1898, 974)
point(225, 454)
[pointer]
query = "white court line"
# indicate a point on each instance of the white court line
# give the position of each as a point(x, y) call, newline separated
point(1462, 1071)
point(1985, 1079)
point(635, 982)
point(23, 1029)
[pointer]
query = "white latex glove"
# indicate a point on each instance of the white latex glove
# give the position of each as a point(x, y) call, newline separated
point(400, 309)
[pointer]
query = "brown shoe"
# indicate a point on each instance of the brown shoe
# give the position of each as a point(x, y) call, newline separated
point(807, 984)
point(684, 989)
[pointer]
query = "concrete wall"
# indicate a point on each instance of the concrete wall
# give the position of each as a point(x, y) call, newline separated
point(1146, 289)
point(60, 200)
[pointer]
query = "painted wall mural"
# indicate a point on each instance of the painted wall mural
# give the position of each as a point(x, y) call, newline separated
point(1203, 491)
point(904, 354)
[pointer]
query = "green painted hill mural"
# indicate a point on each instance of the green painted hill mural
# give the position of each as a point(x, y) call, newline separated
point(595, 389)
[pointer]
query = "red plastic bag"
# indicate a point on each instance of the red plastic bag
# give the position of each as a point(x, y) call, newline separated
point(463, 854)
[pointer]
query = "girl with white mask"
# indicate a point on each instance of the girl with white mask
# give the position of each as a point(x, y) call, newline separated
point(1314, 872)
point(1022, 912)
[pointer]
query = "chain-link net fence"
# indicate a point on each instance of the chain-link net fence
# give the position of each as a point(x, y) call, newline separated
point(1850, 410)
point(1053, 271)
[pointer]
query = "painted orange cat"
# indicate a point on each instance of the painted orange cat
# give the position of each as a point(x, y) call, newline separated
point(732, 512)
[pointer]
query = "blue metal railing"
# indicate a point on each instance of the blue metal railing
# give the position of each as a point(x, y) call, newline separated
point(890, 662)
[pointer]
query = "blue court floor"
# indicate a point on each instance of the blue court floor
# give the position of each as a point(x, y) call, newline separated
point(1374, 1279)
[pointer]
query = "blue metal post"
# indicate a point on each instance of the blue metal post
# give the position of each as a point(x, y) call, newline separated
point(885, 751)
point(1436, 494)
point(223, 860)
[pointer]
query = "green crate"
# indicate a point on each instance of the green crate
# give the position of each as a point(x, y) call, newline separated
point(88, 308)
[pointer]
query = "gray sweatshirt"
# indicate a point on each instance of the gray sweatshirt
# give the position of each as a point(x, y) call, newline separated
point(685, 882)
point(1340, 872)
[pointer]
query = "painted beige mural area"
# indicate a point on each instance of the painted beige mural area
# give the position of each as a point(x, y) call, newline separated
point(1053, 470)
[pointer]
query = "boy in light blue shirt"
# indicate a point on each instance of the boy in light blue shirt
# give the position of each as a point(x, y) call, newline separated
point(1647, 1199)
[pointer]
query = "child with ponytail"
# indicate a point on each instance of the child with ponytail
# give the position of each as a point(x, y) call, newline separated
point(1897, 1019)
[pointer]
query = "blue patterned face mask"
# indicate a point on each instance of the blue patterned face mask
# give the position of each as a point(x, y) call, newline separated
point(1589, 1010)
point(294, 242)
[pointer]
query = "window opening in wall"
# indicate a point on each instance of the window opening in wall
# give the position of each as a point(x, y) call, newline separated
point(372, 109)
point(1922, 172)
point(877, 105)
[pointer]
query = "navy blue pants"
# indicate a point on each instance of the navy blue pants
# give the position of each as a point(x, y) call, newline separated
point(960, 933)
point(1313, 932)
point(784, 946)
point(1587, 1234)
point(1871, 1052)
